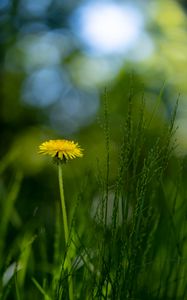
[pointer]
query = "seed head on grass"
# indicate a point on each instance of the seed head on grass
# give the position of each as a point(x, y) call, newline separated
point(62, 150)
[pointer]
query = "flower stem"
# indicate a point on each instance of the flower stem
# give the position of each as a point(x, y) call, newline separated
point(66, 230)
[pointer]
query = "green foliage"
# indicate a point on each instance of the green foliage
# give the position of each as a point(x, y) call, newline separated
point(127, 234)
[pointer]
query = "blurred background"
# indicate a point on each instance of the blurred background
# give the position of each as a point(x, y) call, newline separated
point(56, 59)
point(58, 56)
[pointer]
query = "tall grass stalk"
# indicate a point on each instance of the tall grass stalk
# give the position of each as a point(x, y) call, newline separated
point(66, 231)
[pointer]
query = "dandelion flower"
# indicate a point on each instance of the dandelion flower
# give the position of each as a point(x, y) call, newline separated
point(61, 149)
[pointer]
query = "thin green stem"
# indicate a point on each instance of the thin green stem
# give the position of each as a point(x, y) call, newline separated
point(66, 230)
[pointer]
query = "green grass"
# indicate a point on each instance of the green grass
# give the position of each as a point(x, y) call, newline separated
point(129, 242)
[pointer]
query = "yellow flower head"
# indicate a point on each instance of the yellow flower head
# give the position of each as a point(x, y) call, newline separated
point(61, 149)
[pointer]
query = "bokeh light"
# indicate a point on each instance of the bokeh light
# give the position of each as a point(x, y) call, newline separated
point(4, 4)
point(44, 86)
point(108, 27)
point(34, 8)
point(76, 109)
point(40, 49)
